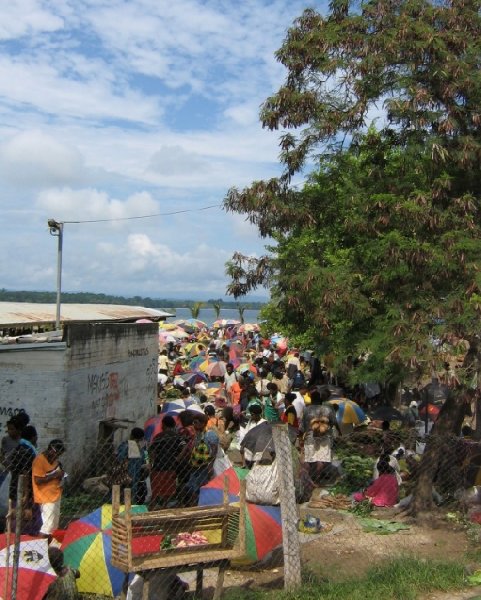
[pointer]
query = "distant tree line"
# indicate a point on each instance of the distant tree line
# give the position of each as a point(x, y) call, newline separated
point(91, 298)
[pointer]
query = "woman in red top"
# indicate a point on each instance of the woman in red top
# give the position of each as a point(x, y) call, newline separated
point(178, 368)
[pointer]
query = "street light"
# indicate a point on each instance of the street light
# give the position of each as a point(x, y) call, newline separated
point(56, 229)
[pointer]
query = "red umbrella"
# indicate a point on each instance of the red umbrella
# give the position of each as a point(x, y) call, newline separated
point(263, 523)
point(35, 573)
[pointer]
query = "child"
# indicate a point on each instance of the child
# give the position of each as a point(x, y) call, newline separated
point(64, 587)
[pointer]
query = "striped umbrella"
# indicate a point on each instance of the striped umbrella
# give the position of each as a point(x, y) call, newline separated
point(348, 412)
point(263, 523)
point(87, 546)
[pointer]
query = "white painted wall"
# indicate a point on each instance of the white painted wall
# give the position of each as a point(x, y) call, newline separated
point(99, 372)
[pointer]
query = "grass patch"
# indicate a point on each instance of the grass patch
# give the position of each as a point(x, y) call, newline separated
point(398, 579)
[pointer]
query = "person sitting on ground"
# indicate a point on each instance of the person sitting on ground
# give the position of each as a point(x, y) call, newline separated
point(164, 452)
point(64, 587)
point(384, 491)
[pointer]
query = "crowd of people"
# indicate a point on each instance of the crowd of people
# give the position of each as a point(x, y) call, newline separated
point(227, 417)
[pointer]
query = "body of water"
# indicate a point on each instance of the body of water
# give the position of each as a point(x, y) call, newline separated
point(208, 314)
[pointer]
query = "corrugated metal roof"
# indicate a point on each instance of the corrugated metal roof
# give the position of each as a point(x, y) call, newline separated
point(28, 313)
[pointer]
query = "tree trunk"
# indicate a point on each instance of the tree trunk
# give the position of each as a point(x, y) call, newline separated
point(448, 423)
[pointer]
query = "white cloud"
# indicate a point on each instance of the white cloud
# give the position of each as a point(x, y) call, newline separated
point(90, 204)
point(174, 160)
point(26, 17)
point(119, 108)
point(33, 158)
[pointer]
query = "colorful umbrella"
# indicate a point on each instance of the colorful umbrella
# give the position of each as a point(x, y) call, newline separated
point(153, 425)
point(35, 573)
point(247, 327)
point(224, 323)
point(214, 389)
point(165, 337)
point(348, 412)
point(247, 367)
point(87, 546)
point(196, 362)
point(190, 378)
point(194, 349)
point(191, 323)
point(167, 326)
point(215, 369)
point(263, 523)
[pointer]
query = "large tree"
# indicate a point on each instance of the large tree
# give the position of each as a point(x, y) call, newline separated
point(379, 252)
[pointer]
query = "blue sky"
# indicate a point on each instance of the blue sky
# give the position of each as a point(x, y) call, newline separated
point(113, 108)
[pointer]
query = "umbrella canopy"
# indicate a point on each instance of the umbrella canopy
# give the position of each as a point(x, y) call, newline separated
point(386, 413)
point(348, 412)
point(194, 349)
point(225, 323)
point(247, 367)
point(247, 327)
point(167, 326)
point(191, 323)
point(35, 573)
point(190, 378)
point(196, 362)
point(263, 523)
point(177, 332)
point(214, 389)
point(153, 425)
point(87, 546)
point(165, 337)
point(215, 369)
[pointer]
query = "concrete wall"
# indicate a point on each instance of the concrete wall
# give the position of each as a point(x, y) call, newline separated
point(33, 377)
point(112, 375)
point(100, 372)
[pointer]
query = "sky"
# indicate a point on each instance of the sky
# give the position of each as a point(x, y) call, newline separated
point(112, 109)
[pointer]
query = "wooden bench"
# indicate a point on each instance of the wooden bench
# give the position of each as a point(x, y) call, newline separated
point(138, 538)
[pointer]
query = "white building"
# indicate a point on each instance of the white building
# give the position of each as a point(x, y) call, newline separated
point(89, 389)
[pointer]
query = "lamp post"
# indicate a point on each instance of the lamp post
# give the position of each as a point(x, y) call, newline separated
point(56, 229)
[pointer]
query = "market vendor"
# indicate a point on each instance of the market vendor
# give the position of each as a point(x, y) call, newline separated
point(316, 427)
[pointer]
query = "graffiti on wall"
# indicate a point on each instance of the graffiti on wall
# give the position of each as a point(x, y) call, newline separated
point(107, 389)
point(6, 413)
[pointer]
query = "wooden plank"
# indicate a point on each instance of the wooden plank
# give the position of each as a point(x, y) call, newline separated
point(156, 562)
point(220, 581)
point(199, 582)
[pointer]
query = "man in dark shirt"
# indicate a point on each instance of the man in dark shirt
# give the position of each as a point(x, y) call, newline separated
point(164, 453)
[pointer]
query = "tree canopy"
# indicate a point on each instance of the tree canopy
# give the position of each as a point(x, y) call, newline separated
point(379, 252)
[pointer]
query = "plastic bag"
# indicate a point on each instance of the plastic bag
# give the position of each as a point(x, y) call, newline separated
point(262, 484)
point(221, 462)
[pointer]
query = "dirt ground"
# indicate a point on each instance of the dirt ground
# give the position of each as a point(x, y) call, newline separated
point(345, 549)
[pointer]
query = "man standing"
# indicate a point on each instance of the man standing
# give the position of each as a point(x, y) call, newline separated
point(47, 478)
